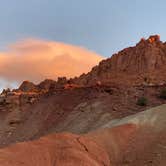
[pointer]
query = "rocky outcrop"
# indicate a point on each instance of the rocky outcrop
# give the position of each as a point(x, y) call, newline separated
point(28, 86)
point(147, 55)
point(46, 84)
point(146, 61)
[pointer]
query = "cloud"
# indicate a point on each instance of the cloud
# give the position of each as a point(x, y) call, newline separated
point(36, 60)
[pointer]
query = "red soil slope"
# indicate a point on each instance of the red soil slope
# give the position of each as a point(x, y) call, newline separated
point(137, 140)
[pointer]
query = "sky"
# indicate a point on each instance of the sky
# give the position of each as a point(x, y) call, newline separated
point(104, 26)
point(101, 26)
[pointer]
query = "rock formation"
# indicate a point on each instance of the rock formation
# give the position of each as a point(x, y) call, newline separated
point(145, 60)
point(27, 86)
point(46, 84)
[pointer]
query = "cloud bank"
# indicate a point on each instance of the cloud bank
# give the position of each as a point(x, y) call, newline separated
point(36, 60)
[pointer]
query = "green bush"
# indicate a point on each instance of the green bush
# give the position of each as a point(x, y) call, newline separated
point(163, 93)
point(142, 101)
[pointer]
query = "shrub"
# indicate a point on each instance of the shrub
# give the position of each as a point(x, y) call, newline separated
point(142, 101)
point(163, 93)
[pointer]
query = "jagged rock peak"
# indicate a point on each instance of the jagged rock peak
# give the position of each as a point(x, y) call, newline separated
point(154, 39)
point(27, 86)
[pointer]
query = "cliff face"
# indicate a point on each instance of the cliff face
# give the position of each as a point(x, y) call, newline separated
point(145, 59)
point(146, 56)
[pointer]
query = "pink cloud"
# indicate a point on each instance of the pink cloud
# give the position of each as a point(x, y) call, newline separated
point(36, 60)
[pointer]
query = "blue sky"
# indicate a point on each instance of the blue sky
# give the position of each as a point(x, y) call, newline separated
point(104, 26)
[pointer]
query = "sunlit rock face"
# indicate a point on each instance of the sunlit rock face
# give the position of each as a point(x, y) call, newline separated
point(27, 86)
point(132, 65)
point(147, 55)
